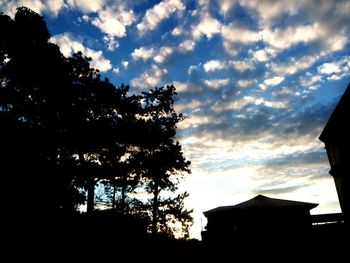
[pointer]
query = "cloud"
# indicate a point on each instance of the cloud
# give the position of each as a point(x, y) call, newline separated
point(193, 68)
point(328, 68)
point(192, 105)
point(242, 65)
point(283, 38)
point(150, 78)
point(157, 13)
point(87, 6)
point(177, 31)
point(234, 105)
point(233, 34)
point(270, 10)
point(163, 53)
point(271, 82)
point(125, 64)
point(208, 26)
point(111, 42)
point(186, 45)
point(293, 65)
point(50, 6)
point(337, 69)
point(181, 86)
point(142, 53)
point(245, 82)
point(263, 55)
point(112, 20)
point(308, 79)
point(69, 44)
point(225, 6)
point(216, 83)
point(272, 104)
point(55, 6)
point(213, 65)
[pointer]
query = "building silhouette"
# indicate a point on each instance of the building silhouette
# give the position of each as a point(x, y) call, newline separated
point(258, 216)
point(336, 137)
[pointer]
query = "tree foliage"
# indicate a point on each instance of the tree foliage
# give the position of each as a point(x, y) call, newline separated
point(65, 129)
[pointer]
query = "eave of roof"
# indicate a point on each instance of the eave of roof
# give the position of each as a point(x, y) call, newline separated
point(337, 128)
point(261, 202)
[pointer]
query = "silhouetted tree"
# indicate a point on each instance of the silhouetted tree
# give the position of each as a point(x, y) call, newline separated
point(161, 159)
point(64, 128)
point(33, 83)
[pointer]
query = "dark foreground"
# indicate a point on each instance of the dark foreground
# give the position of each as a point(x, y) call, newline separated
point(83, 242)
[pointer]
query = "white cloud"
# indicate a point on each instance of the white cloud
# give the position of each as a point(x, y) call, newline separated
point(69, 44)
point(150, 78)
point(239, 65)
point(233, 34)
point(242, 65)
point(55, 6)
point(216, 83)
point(125, 64)
point(328, 68)
point(271, 82)
point(51, 6)
point(192, 68)
point(245, 82)
point(142, 53)
point(181, 86)
point(157, 13)
point(335, 42)
point(286, 37)
point(186, 46)
point(282, 92)
point(272, 104)
point(293, 65)
point(87, 6)
point(330, 40)
point(163, 53)
point(263, 55)
point(177, 31)
point(225, 6)
point(85, 18)
point(309, 79)
point(112, 43)
point(213, 65)
point(234, 105)
point(337, 69)
point(269, 10)
point(113, 20)
point(208, 27)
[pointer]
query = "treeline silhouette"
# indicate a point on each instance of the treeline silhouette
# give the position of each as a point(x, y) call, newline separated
point(64, 129)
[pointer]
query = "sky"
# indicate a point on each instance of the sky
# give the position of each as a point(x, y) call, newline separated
point(258, 81)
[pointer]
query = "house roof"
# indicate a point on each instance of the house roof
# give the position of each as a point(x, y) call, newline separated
point(261, 202)
point(337, 128)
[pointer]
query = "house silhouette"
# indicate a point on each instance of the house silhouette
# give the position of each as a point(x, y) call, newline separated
point(336, 137)
point(257, 216)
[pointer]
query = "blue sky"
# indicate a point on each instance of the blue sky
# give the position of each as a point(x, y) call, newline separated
point(258, 80)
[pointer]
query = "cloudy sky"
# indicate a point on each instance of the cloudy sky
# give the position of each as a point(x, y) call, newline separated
point(258, 80)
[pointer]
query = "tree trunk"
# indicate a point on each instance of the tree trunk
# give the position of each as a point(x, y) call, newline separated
point(155, 209)
point(90, 186)
point(113, 198)
point(91, 195)
point(123, 196)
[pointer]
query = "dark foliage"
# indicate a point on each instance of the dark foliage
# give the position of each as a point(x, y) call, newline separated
point(64, 129)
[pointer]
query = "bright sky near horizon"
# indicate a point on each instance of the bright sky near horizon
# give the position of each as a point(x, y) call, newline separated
point(258, 80)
